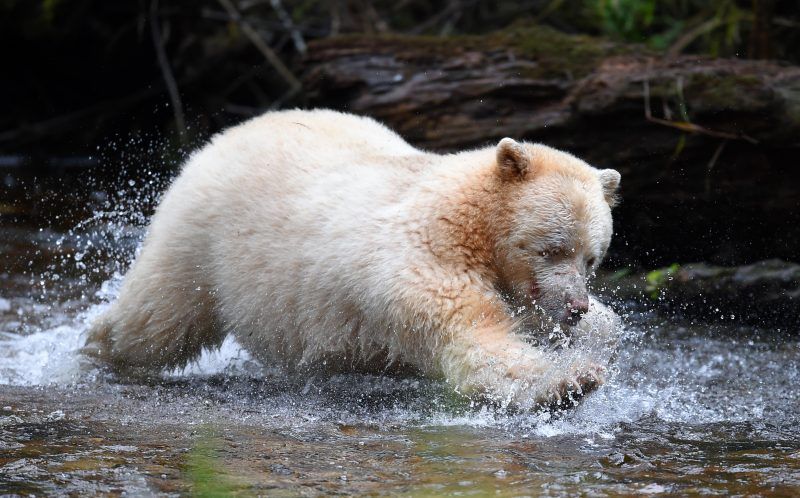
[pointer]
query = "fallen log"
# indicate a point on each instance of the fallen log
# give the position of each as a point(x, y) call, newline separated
point(764, 294)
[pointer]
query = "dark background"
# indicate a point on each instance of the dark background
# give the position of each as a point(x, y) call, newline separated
point(86, 104)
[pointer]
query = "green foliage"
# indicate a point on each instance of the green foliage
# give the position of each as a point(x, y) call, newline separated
point(656, 280)
point(49, 10)
point(711, 27)
point(627, 19)
point(619, 274)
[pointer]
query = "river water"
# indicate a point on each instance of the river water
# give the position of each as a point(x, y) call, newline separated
point(688, 408)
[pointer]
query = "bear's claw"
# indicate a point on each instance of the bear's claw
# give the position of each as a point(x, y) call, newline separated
point(570, 390)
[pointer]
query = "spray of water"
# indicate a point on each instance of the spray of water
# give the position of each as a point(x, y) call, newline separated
point(672, 375)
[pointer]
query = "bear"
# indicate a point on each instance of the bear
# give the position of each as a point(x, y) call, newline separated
point(324, 238)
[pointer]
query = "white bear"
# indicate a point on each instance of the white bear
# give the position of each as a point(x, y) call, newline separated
point(322, 237)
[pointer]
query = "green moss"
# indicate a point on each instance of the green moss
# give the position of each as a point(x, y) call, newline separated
point(204, 470)
point(555, 53)
point(720, 91)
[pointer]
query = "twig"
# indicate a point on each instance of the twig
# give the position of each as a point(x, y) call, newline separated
point(687, 38)
point(788, 23)
point(286, 19)
point(378, 24)
point(452, 7)
point(276, 104)
point(547, 10)
point(448, 26)
point(268, 53)
point(687, 126)
point(712, 163)
point(666, 110)
point(166, 71)
point(265, 24)
point(681, 100)
point(336, 17)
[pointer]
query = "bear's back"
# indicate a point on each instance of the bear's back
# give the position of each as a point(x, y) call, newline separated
point(322, 130)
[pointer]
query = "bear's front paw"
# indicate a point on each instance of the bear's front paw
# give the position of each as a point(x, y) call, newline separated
point(580, 380)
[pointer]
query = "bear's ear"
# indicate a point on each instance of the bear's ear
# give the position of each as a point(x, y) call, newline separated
point(609, 179)
point(512, 159)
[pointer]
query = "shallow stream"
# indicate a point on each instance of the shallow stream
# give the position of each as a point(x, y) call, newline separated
point(688, 408)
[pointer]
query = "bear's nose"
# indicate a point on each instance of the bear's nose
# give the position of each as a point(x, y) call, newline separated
point(576, 308)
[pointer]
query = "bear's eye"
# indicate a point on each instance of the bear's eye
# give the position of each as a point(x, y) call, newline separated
point(591, 262)
point(548, 253)
point(554, 252)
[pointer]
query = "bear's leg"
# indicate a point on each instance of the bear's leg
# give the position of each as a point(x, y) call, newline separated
point(492, 361)
point(164, 316)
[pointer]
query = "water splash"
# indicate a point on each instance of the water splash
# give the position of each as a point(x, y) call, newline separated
point(669, 374)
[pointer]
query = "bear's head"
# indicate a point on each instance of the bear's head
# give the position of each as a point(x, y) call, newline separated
point(558, 210)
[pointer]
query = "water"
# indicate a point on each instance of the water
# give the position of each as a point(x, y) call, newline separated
point(688, 408)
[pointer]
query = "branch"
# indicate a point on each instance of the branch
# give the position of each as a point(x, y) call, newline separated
point(166, 71)
point(687, 126)
point(711, 165)
point(687, 38)
point(452, 8)
point(266, 51)
point(286, 19)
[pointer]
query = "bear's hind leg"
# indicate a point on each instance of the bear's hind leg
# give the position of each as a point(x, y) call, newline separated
point(164, 317)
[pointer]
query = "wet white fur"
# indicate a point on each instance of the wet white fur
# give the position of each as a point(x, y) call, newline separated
point(311, 235)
